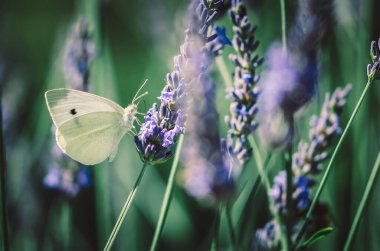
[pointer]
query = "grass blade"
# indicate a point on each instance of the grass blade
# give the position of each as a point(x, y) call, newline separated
point(363, 203)
point(168, 196)
point(316, 237)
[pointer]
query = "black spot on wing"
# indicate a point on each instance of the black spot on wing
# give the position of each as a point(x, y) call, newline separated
point(73, 111)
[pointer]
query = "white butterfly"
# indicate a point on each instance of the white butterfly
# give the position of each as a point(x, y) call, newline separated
point(89, 127)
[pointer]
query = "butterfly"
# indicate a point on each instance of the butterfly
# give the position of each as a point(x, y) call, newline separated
point(89, 128)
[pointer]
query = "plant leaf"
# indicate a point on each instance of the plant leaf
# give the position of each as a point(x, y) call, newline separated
point(320, 234)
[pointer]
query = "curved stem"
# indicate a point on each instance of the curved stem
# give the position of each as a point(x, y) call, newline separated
point(283, 24)
point(328, 169)
point(363, 203)
point(125, 208)
point(168, 196)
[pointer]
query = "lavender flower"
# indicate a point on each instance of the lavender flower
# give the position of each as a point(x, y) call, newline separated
point(65, 174)
point(244, 93)
point(79, 53)
point(163, 124)
point(216, 46)
point(290, 80)
point(313, 20)
point(300, 197)
point(307, 161)
point(373, 69)
point(268, 238)
point(324, 129)
point(206, 174)
point(284, 92)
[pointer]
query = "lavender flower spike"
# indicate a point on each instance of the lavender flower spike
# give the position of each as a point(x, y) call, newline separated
point(244, 93)
point(79, 53)
point(373, 69)
point(324, 129)
point(163, 124)
point(306, 164)
point(284, 92)
point(207, 172)
point(64, 174)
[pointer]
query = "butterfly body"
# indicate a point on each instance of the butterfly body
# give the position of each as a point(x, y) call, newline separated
point(129, 116)
point(89, 128)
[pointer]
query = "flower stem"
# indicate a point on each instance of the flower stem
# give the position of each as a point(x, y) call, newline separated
point(125, 208)
point(289, 192)
point(222, 67)
point(3, 187)
point(265, 181)
point(215, 240)
point(328, 169)
point(245, 214)
point(283, 24)
point(231, 228)
point(363, 203)
point(168, 196)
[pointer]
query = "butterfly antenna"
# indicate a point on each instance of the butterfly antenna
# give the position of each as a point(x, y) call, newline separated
point(140, 96)
point(135, 97)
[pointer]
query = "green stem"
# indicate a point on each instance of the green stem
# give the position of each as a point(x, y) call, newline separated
point(265, 181)
point(231, 228)
point(3, 187)
point(215, 240)
point(168, 196)
point(222, 67)
point(328, 169)
point(246, 215)
point(363, 203)
point(283, 24)
point(289, 192)
point(124, 211)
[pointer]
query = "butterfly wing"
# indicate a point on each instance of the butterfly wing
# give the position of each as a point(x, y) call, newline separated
point(89, 127)
point(66, 104)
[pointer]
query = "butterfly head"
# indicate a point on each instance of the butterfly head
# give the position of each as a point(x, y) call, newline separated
point(129, 116)
point(130, 112)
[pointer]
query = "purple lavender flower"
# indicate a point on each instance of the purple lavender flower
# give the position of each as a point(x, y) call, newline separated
point(268, 238)
point(207, 173)
point(163, 124)
point(244, 93)
point(307, 161)
point(65, 174)
point(79, 53)
point(216, 46)
point(312, 23)
point(284, 92)
point(373, 69)
point(324, 129)
point(290, 80)
point(301, 194)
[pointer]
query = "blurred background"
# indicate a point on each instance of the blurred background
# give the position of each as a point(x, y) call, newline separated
point(134, 41)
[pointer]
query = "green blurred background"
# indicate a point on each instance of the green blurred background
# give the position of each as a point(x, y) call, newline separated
point(136, 40)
